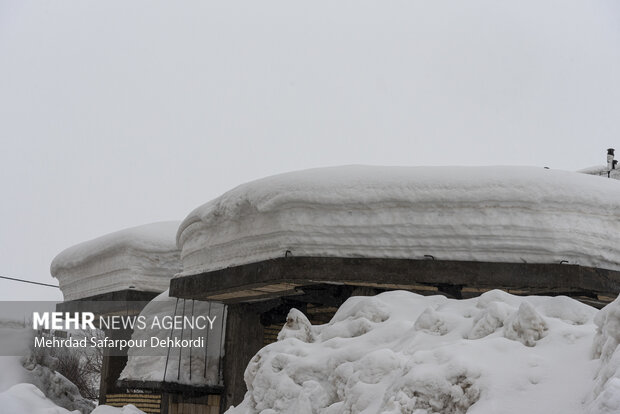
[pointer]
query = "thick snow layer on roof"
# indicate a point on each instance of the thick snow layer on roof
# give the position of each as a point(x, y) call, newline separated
point(399, 352)
point(157, 364)
point(143, 258)
point(497, 214)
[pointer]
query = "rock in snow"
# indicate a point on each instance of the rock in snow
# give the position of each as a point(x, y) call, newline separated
point(497, 214)
point(399, 352)
point(143, 258)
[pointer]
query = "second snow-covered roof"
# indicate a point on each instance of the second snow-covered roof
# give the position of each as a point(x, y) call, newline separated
point(142, 258)
point(496, 214)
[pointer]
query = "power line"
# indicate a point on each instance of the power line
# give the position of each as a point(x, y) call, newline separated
point(28, 281)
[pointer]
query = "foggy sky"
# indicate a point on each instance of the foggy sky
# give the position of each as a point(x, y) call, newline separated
point(116, 113)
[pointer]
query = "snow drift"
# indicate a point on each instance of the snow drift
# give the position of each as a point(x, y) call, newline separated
point(399, 352)
point(28, 399)
point(497, 214)
point(29, 387)
point(143, 258)
point(15, 339)
point(605, 396)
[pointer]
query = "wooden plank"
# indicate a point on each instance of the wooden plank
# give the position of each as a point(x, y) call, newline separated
point(135, 402)
point(214, 400)
point(239, 294)
point(244, 337)
point(250, 295)
point(139, 399)
point(278, 287)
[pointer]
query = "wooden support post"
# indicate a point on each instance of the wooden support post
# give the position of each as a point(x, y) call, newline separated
point(112, 365)
point(244, 337)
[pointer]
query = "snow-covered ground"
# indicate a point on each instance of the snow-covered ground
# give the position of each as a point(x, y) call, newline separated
point(27, 399)
point(143, 258)
point(605, 395)
point(498, 214)
point(150, 365)
point(399, 352)
point(30, 388)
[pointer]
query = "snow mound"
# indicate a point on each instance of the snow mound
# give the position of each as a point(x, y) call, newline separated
point(128, 409)
point(150, 364)
point(26, 398)
point(525, 325)
point(28, 387)
point(431, 322)
point(399, 352)
point(143, 258)
point(297, 326)
point(492, 317)
point(605, 396)
point(496, 214)
point(24, 369)
point(55, 386)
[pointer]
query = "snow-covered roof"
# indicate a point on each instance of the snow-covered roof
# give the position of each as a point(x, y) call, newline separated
point(496, 214)
point(601, 170)
point(142, 258)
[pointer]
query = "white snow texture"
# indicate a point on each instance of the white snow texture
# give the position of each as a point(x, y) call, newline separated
point(29, 388)
point(605, 396)
point(143, 258)
point(399, 352)
point(497, 214)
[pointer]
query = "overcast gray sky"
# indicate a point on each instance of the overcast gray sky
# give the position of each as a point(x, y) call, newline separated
point(119, 113)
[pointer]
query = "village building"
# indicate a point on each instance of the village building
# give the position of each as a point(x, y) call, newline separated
point(120, 274)
point(311, 239)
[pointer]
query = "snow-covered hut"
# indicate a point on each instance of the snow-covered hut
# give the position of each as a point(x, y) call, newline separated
point(140, 259)
point(125, 273)
point(118, 273)
point(311, 239)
